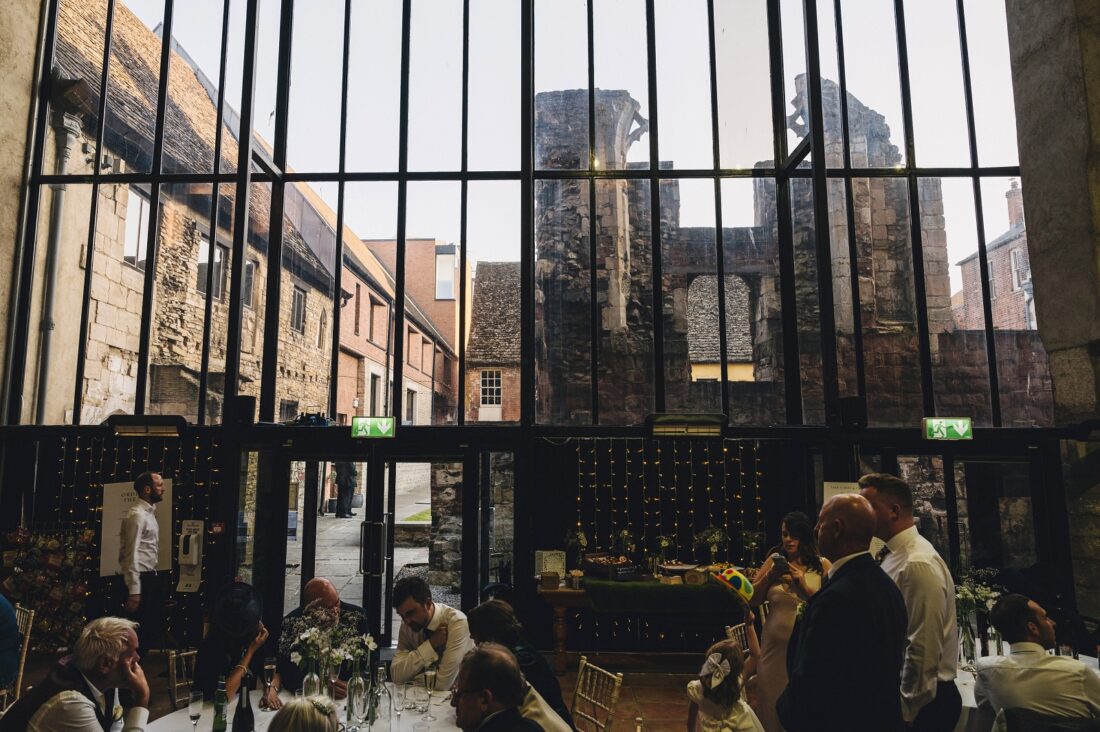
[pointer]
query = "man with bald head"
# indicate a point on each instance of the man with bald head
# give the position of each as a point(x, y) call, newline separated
point(843, 674)
point(321, 593)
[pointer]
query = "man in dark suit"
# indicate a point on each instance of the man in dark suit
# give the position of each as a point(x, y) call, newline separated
point(844, 672)
point(321, 591)
point(489, 691)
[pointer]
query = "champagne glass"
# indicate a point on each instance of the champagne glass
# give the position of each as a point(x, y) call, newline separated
point(269, 675)
point(194, 708)
point(429, 684)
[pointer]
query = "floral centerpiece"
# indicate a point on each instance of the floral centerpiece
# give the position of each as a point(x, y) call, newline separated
point(752, 541)
point(665, 544)
point(975, 594)
point(624, 543)
point(321, 639)
point(712, 537)
point(576, 543)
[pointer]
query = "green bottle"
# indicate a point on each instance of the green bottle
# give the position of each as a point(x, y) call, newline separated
point(221, 701)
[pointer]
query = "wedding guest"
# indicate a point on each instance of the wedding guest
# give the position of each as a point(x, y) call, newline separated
point(138, 554)
point(319, 592)
point(11, 642)
point(1028, 677)
point(717, 702)
point(234, 645)
point(496, 621)
point(844, 670)
point(488, 692)
point(306, 714)
point(431, 632)
point(80, 692)
point(785, 587)
point(930, 699)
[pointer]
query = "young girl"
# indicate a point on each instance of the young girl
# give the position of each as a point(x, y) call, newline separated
point(716, 700)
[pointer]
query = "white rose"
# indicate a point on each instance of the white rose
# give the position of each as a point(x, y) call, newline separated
point(296, 658)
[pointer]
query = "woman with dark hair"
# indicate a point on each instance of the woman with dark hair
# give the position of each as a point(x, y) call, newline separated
point(496, 621)
point(791, 575)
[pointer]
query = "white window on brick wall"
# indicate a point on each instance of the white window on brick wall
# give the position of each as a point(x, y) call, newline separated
point(221, 256)
point(1021, 271)
point(298, 310)
point(410, 407)
point(137, 229)
point(992, 285)
point(491, 395)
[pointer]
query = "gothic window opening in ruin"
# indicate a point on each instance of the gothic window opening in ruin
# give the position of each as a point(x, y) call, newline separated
point(137, 229)
point(322, 329)
point(249, 280)
point(298, 310)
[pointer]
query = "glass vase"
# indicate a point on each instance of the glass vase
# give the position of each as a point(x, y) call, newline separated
point(968, 645)
point(311, 683)
point(359, 692)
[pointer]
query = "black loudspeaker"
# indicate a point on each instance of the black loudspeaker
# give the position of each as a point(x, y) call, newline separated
point(243, 411)
point(853, 412)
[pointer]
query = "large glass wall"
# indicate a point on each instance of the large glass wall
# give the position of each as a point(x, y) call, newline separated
point(650, 229)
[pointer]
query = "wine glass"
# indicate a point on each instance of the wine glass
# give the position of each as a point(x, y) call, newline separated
point(194, 708)
point(429, 684)
point(358, 706)
point(269, 675)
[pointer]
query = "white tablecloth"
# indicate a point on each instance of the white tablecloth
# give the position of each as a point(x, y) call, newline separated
point(409, 721)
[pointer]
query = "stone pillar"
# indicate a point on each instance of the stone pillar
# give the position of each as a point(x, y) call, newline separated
point(1055, 49)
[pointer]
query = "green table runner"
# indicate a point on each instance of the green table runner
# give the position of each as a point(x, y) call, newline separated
point(649, 596)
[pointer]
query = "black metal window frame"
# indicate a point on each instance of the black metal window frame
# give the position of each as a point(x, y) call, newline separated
point(252, 167)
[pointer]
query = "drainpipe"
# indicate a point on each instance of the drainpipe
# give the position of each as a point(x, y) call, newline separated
point(66, 131)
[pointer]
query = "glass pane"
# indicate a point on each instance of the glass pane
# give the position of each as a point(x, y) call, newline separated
point(936, 84)
point(494, 102)
point(431, 323)
point(750, 246)
point(561, 85)
point(79, 55)
point(991, 82)
point(830, 84)
point(179, 305)
point(846, 366)
point(374, 86)
point(622, 83)
point(924, 474)
point(51, 369)
point(254, 282)
point(234, 78)
point(267, 66)
point(502, 489)
point(807, 305)
point(435, 85)
point(794, 72)
point(367, 315)
point(190, 119)
point(316, 64)
point(114, 309)
point(305, 303)
point(744, 82)
point(247, 486)
point(693, 363)
point(624, 281)
point(492, 338)
point(1023, 368)
point(132, 86)
point(960, 363)
point(339, 540)
point(888, 307)
point(563, 318)
point(683, 83)
point(996, 523)
point(875, 123)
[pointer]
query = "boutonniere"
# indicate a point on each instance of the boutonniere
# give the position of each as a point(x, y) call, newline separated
point(800, 611)
point(116, 713)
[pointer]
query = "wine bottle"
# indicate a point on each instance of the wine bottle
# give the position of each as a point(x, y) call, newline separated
point(244, 720)
point(221, 700)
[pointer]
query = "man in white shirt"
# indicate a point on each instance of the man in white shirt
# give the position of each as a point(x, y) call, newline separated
point(431, 633)
point(138, 551)
point(929, 698)
point(78, 695)
point(1028, 677)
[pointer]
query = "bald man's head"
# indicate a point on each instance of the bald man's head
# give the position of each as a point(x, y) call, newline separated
point(845, 526)
point(322, 591)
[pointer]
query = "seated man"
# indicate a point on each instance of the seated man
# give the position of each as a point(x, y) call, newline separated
point(320, 592)
point(430, 633)
point(1028, 677)
point(79, 692)
point(488, 692)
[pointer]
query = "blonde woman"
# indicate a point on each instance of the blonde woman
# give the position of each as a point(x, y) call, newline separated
point(311, 714)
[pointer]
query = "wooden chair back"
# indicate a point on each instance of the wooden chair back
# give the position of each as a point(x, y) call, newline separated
point(181, 669)
point(739, 634)
point(594, 698)
point(24, 620)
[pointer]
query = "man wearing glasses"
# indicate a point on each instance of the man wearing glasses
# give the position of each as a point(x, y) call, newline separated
point(488, 692)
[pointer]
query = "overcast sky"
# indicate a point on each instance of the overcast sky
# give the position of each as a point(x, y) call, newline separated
point(620, 63)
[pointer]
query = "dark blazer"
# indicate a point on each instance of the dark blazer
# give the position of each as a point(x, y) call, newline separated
point(845, 674)
point(536, 669)
point(509, 721)
point(292, 676)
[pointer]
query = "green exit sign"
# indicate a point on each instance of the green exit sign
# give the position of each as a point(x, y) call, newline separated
point(948, 428)
point(372, 426)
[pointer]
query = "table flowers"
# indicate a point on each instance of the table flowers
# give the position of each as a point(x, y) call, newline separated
point(712, 537)
point(975, 594)
point(321, 640)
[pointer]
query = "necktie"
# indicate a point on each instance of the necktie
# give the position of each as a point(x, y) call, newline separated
point(882, 554)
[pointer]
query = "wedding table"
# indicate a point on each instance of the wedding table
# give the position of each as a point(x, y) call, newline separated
point(409, 721)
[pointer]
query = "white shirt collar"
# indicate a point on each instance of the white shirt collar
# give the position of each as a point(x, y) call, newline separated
point(1015, 649)
point(844, 560)
point(100, 699)
point(903, 538)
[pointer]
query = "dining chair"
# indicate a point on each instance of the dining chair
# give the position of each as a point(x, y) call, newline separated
point(24, 620)
point(762, 612)
point(739, 634)
point(594, 697)
point(181, 669)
